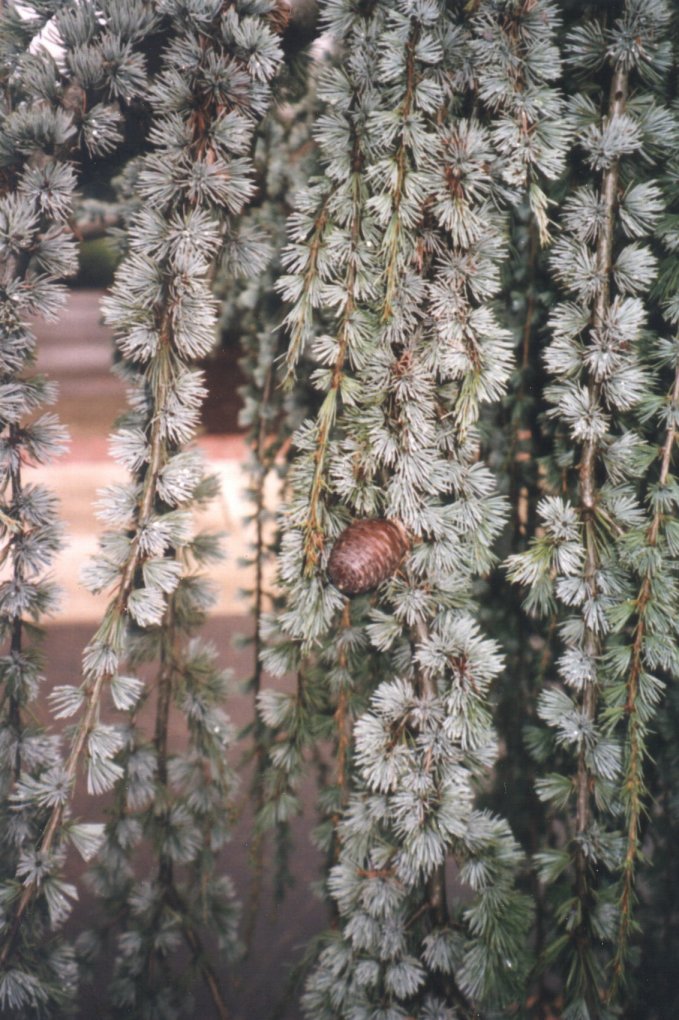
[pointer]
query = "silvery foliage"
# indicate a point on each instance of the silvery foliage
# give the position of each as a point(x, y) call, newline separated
point(51, 108)
point(597, 564)
point(392, 264)
point(183, 200)
point(251, 315)
point(251, 311)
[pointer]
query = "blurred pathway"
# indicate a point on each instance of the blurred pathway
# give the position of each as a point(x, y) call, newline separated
point(76, 353)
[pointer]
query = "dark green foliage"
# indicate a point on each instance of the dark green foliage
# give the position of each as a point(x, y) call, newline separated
point(604, 502)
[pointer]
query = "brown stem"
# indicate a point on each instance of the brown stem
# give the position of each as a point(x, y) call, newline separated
point(436, 887)
point(313, 539)
point(341, 720)
point(166, 880)
point(587, 484)
point(634, 782)
point(391, 270)
point(530, 304)
point(298, 331)
point(257, 852)
point(342, 727)
point(94, 687)
point(587, 463)
point(255, 892)
point(341, 715)
point(14, 707)
point(262, 472)
point(195, 944)
point(438, 899)
point(162, 730)
point(343, 731)
point(174, 900)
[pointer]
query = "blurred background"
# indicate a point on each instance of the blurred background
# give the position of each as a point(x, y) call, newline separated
point(77, 352)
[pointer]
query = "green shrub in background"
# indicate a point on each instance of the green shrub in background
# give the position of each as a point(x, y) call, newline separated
point(97, 261)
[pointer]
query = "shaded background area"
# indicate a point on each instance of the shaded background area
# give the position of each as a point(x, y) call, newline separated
point(76, 353)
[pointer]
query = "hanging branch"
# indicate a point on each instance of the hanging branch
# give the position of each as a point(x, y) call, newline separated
point(517, 63)
point(48, 113)
point(263, 463)
point(651, 645)
point(584, 934)
point(186, 192)
point(327, 255)
point(399, 454)
point(252, 313)
point(163, 316)
point(638, 692)
point(583, 555)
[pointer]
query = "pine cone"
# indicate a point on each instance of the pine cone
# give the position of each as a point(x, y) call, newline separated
point(365, 554)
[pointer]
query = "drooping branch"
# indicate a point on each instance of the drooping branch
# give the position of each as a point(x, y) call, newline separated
point(634, 786)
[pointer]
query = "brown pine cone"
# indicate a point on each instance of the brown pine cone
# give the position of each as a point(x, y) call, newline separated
point(365, 554)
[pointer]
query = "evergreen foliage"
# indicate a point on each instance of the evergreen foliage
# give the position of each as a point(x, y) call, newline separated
point(654, 727)
point(597, 550)
point(393, 260)
point(251, 316)
point(184, 198)
point(49, 113)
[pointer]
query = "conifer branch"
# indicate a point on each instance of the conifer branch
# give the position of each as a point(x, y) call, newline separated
point(314, 536)
point(302, 314)
point(93, 690)
point(393, 238)
point(586, 557)
point(583, 935)
point(259, 730)
point(43, 132)
point(634, 788)
point(343, 723)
